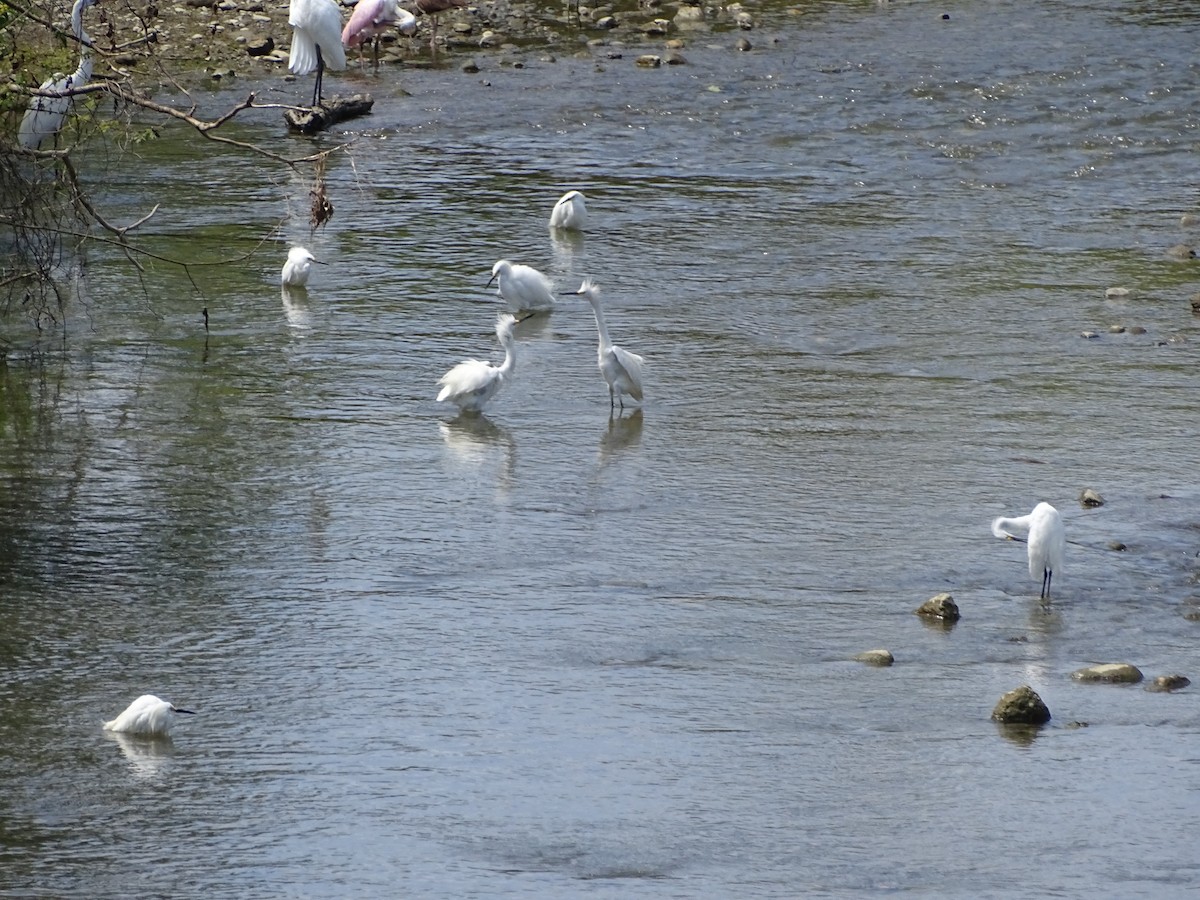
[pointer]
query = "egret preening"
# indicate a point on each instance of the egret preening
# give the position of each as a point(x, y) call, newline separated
point(1046, 541)
point(316, 40)
point(370, 19)
point(570, 212)
point(147, 715)
point(523, 288)
point(296, 269)
point(46, 113)
point(431, 8)
point(472, 383)
point(620, 368)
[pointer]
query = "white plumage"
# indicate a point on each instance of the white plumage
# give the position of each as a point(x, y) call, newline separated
point(296, 269)
point(46, 114)
point(148, 715)
point(316, 40)
point(620, 368)
point(472, 383)
point(1046, 539)
point(570, 212)
point(523, 288)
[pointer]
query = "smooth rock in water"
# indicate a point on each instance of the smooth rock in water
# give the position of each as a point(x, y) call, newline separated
point(941, 606)
point(606, 22)
point(1118, 293)
point(1109, 673)
point(1195, 301)
point(1116, 329)
point(1181, 251)
point(1136, 329)
point(1021, 707)
point(1165, 683)
point(259, 44)
point(675, 59)
point(1118, 546)
point(744, 21)
point(1089, 335)
point(744, 45)
point(649, 61)
point(1187, 220)
point(1091, 498)
point(878, 657)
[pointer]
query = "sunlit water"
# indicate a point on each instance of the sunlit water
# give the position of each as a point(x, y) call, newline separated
point(549, 652)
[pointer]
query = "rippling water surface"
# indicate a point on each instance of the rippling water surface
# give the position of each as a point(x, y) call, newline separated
point(553, 652)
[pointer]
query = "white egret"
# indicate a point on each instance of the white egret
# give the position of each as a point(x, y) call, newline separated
point(316, 40)
point(1046, 540)
point(147, 715)
point(297, 268)
point(570, 212)
point(370, 19)
point(523, 288)
point(620, 368)
point(44, 118)
point(472, 383)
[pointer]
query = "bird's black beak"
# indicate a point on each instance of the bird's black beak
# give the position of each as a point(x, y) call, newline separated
point(186, 712)
point(520, 319)
point(490, 280)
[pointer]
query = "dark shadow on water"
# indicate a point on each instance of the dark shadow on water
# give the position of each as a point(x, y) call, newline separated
point(624, 432)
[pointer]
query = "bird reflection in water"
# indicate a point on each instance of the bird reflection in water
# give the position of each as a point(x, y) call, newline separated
point(475, 440)
point(295, 307)
point(623, 433)
point(147, 755)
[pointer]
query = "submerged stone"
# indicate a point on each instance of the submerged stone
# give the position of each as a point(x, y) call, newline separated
point(879, 657)
point(1164, 683)
point(1021, 706)
point(1091, 498)
point(1109, 673)
point(940, 606)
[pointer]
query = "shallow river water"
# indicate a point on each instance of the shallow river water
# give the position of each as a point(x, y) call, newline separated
point(554, 652)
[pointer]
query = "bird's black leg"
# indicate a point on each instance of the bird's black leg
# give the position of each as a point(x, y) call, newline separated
point(320, 72)
point(1046, 576)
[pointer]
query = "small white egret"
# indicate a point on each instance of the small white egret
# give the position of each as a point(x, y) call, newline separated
point(523, 288)
point(620, 368)
point(472, 383)
point(370, 19)
point(316, 40)
point(297, 268)
point(570, 212)
point(47, 112)
point(1046, 538)
point(147, 715)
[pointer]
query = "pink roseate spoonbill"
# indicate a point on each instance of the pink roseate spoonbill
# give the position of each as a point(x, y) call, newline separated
point(370, 19)
point(472, 383)
point(570, 212)
point(316, 40)
point(1046, 541)
point(296, 269)
point(432, 8)
point(523, 288)
point(147, 715)
point(620, 368)
point(47, 111)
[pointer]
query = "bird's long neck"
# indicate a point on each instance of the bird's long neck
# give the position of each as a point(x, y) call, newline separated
point(510, 357)
point(601, 326)
point(83, 74)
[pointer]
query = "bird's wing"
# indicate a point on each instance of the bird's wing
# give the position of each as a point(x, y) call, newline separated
point(530, 288)
point(467, 377)
point(45, 115)
point(632, 365)
point(364, 16)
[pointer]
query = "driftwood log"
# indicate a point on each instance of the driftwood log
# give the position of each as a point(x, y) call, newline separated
point(327, 113)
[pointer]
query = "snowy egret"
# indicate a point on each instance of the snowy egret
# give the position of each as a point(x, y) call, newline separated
point(472, 383)
point(1046, 541)
point(570, 212)
point(431, 8)
point(620, 368)
point(523, 288)
point(296, 270)
point(370, 19)
point(45, 116)
point(316, 40)
point(148, 715)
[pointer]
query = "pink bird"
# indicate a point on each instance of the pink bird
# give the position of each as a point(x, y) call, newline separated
point(370, 19)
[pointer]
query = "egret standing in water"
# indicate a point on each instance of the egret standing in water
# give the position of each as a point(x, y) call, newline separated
point(570, 212)
point(147, 715)
point(523, 288)
point(620, 368)
point(1046, 539)
point(472, 383)
point(370, 19)
point(296, 269)
point(46, 114)
point(316, 40)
